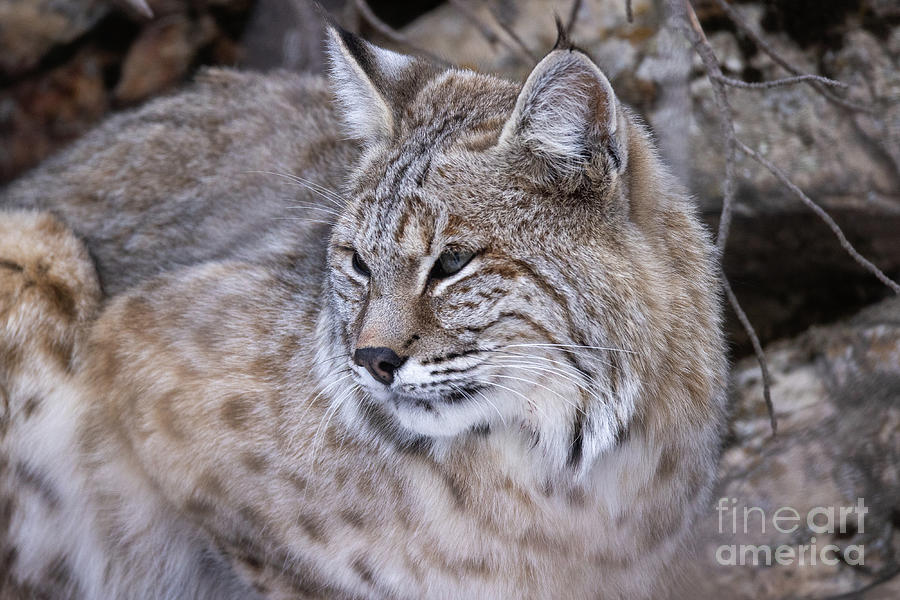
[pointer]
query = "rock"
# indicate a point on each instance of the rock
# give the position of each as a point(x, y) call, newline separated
point(787, 268)
point(30, 28)
point(789, 271)
point(837, 396)
point(162, 55)
point(601, 27)
point(38, 115)
point(872, 69)
point(286, 34)
point(818, 144)
point(65, 64)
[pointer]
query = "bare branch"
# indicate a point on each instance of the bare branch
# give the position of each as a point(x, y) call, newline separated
point(513, 35)
point(765, 85)
point(486, 29)
point(820, 212)
point(573, 16)
point(757, 350)
point(689, 23)
point(139, 6)
point(763, 45)
point(686, 20)
point(629, 13)
point(695, 34)
point(365, 11)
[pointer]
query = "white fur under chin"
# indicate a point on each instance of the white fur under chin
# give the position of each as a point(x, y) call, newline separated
point(547, 418)
point(518, 413)
point(444, 420)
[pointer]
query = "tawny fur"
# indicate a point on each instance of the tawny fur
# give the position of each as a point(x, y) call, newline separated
point(552, 433)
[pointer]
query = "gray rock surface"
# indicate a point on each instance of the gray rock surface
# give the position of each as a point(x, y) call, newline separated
point(64, 64)
point(837, 398)
point(31, 28)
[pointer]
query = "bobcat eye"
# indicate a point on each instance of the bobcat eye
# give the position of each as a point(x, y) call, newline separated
point(359, 266)
point(450, 262)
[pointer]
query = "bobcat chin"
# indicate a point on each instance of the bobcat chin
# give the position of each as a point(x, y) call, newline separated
point(429, 334)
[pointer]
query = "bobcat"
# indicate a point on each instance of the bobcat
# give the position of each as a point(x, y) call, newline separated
point(446, 336)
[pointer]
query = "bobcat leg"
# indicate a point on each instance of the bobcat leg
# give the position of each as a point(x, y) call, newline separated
point(48, 294)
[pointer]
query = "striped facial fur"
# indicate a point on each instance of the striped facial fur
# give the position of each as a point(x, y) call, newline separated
point(485, 270)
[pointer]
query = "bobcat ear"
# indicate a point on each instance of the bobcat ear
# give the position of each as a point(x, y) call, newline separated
point(567, 115)
point(371, 83)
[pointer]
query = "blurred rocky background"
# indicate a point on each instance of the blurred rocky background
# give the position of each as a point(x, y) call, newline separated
point(65, 64)
point(837, 396)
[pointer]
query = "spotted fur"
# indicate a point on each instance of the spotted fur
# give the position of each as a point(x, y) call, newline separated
point(551, 431)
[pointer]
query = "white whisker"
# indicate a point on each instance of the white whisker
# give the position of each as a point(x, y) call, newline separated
point(469, 396)
point(340, 200)
point(569, 374)
point(563, 368)
point(491, 402)
point(516, 362)
point(310, 402)
point(552, 391)
point(520, 394)
point(314, 207)
point(329, 223)
point(322, 429)
point(325, 193)
point(548, 345)
point(567, 365)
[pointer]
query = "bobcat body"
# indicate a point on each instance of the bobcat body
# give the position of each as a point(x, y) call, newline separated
point(465, 345)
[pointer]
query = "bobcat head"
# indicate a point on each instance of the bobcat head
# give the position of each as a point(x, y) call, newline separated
point(510, 256)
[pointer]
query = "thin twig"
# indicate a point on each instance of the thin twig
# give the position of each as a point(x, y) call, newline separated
point(365, 11)
point(735, 16)
point(573, 17)
point(525, 51)
point(820, 212)
point(765, 85)
point(688, 22)
point(697, 37)
point(757, 350)
point(487, 31)
point(629, 13)
point(859, 593)
point(139, 6)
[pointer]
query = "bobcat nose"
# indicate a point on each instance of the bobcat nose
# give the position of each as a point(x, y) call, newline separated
point(380, 362)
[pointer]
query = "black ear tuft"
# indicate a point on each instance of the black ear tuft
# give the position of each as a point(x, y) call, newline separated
point(562, 36)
